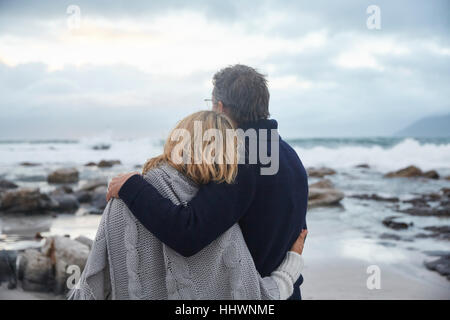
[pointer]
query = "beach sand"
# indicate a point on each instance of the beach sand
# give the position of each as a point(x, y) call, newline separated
point(19, 294)
point(337, 257)
point(346, 279)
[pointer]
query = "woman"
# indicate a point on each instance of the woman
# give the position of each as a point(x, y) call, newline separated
point(128, 262)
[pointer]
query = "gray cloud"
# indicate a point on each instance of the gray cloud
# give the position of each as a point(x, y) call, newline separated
point(82, 101)
point(409, 17)
point(342, 101)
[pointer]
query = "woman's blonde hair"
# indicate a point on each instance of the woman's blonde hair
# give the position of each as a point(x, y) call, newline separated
point(218, 166)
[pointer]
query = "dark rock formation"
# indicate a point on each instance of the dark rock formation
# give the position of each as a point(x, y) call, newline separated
point(8, 267)
point(35, 271)
point(66, 203)
point(324, 197)
point(432, 174)
point(99, 198)
point(108, 163)
point(407, 172)
point(64, 252)
point(438, 232)
point(390, 236)
point(441, 265)
point(427, 211)
point(83, 196)
point(29, 164)
point(63, 190)
point(45, 269)
point(25, 200)
point(374, 197)
point(396, 237)
point(65, 175)
point(390, 223)
point(446, 191)
point(412, 172)
point(320, 172)
point(421, 205)
point(322, 184)
point(101, 146)
point(6, 184)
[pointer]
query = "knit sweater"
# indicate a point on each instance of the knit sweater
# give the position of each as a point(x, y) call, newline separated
point(128, 262)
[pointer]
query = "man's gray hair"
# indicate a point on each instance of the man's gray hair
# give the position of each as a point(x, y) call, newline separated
point(243, 91)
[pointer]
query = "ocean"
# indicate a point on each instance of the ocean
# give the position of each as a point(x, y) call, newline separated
point(382, 153)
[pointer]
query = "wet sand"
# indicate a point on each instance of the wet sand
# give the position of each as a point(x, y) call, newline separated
point(337, 257)
point(345, 279)
point(19, 294)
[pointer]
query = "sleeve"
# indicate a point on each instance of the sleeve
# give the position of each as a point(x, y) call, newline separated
point(187, 229)
point(288, 273)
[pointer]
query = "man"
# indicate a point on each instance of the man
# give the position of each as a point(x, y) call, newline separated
point(270, 208)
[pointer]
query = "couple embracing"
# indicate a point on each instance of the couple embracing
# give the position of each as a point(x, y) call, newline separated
point(221, 226)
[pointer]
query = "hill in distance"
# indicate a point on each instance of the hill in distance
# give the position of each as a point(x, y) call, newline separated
point(435, 126)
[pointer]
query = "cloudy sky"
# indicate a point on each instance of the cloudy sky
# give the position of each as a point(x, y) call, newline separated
point(133, 68)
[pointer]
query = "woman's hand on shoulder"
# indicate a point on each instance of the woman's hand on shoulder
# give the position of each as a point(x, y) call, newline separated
point(300, 242)
point(116, 183)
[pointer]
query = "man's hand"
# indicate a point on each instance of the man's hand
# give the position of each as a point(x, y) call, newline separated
point(300, 242)
point(117, 183)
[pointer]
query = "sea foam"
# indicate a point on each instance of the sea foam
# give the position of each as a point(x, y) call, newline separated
point(407, 152)
point(402, 153)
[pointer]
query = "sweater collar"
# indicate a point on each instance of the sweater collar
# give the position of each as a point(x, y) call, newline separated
point(260, 124)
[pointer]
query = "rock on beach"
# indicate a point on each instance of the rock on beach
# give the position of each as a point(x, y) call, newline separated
point(27, 200)
point(65, 175)
point(412, 172)
point(320, 172)
point(324, 197)
point(45, 269)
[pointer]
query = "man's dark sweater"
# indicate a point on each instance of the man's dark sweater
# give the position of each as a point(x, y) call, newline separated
point(270, 209)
